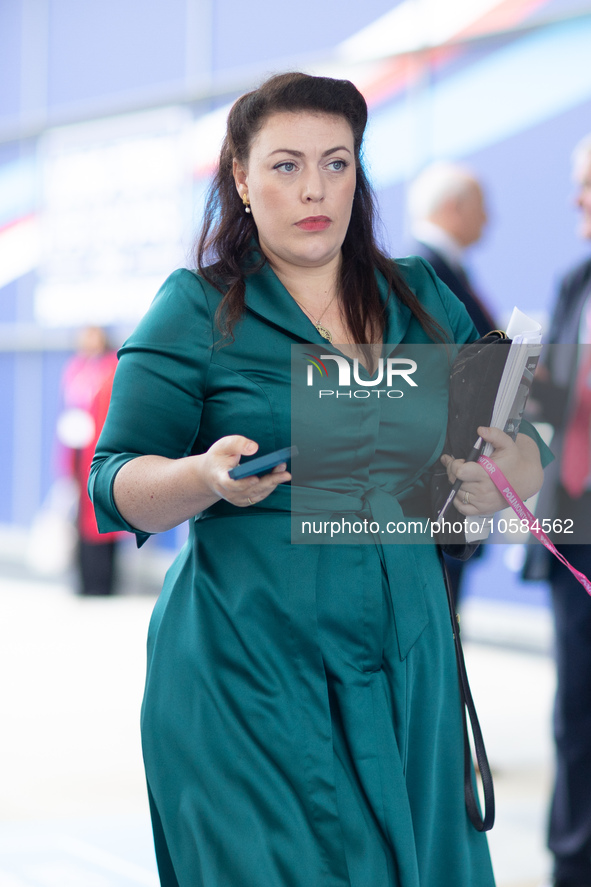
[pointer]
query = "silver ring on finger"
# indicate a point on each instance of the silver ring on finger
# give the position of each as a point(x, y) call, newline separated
point(250, 502)
point(466, 499)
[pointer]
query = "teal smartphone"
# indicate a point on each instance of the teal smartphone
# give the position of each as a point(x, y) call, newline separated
point(262, 464)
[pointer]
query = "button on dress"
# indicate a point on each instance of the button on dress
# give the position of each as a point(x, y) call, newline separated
point(301, 723)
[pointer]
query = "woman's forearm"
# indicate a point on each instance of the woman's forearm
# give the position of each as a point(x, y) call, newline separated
point(154, 494)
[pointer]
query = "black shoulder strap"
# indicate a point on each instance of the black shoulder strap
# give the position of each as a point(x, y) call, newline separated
point(480, 823)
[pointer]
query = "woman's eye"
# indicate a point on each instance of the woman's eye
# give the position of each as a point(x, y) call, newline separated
point(338, 165)
point(286, 166)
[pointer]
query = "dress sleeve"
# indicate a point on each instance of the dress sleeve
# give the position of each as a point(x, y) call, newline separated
point(158, 391)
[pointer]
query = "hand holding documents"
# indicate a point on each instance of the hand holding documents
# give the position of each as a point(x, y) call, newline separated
point(490, 386)
point(518, 374)
point(515, 385)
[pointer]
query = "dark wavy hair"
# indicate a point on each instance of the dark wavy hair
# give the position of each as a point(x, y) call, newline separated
point(224, 251)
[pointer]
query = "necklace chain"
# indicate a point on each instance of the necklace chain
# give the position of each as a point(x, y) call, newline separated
point(324, 331)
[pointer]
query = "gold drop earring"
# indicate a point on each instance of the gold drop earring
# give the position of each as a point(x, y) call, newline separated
point(246, 202)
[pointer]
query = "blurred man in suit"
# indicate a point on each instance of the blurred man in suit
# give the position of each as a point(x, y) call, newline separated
point(447, 213)
point(564, 388)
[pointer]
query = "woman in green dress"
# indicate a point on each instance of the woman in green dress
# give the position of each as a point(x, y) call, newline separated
point(301, 723)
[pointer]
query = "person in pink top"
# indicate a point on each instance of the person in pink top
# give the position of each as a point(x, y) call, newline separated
point(86, 391)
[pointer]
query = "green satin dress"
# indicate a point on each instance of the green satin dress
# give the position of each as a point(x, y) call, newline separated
point(301, 721)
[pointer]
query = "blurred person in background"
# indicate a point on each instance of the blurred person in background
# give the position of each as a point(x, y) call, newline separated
point(447, 214)
point(563, 387)
point(86, 391)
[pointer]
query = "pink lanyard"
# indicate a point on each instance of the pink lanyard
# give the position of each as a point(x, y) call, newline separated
point(523, 512)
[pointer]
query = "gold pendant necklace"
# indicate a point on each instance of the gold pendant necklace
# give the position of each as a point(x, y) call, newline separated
point(326, 334)
point(324, 331)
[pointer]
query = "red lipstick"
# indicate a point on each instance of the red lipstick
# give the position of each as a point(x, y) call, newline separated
point(314, 223)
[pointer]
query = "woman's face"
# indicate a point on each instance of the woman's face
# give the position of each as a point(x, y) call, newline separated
point(300, 180)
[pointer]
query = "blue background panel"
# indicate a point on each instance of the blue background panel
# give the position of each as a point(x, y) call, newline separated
point(10, 27)
point(275, 32)
point(532, 237)
point(112, 47)
point(8, 302)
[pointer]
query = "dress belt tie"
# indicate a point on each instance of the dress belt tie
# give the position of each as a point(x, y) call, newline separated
point(400, 559)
